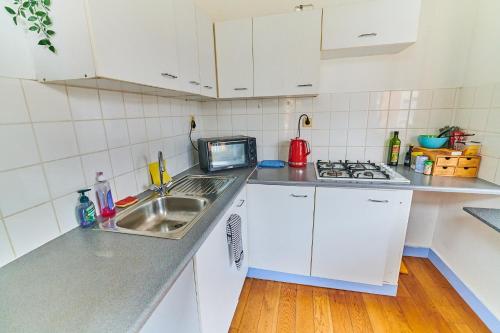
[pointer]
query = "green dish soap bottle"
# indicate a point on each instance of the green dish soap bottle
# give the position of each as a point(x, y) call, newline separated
point(394, 147)
point(85, 210)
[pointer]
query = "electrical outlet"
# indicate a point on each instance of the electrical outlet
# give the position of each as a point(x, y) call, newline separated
point(307, 122)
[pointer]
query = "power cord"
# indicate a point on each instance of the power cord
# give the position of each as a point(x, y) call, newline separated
point(193, 126)
point(307, 122)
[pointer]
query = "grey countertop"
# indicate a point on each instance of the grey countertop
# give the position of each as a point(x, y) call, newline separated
point(489, 216)
point(95, 281)
point(418, 182)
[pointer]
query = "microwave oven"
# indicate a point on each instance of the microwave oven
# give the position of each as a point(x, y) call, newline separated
point(229, 152)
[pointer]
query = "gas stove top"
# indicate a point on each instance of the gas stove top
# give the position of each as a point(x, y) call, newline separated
point(357, 172)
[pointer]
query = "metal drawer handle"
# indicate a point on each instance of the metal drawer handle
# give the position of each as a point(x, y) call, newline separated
point(241, 203)
point(305, 85)
point(169, 75)
point(371, 34)
point(196, 83)
point(298, 195)
point(208, 87)
point(378, 201)
point(239, 89)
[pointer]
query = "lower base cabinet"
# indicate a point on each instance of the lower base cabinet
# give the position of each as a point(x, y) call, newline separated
point(178, 311)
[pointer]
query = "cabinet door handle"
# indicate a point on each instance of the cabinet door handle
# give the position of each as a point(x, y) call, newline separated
point(208, 87)
point(298, 195)
point(371, 34)
point(171, 76)
point(240, 89)
point(196, 83)
point(305, 85)
point(240, 203)
point(378, 201)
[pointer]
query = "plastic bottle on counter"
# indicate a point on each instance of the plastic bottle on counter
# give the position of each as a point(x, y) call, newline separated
point(104, 197)
point(85, 210)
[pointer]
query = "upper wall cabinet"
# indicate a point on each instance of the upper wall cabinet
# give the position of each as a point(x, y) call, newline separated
point(369, 27)
point(234, 58)
point(187, 45)
point(286, 52)
point(206, 54)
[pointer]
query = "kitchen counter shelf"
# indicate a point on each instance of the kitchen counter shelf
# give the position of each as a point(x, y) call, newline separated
point(489, 216)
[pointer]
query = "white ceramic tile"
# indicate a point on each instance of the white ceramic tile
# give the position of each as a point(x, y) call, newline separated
point(112, 104)
point(133, 105)
point(375, 154)
point(376, 137)
point(494, 121)
point(288, 121)
point(400, 100)
point(418, 118)
point(224, 123)
point(465, 97)
point(421, 99)
point(440, 118)
point(96, 162)
point(239, 122)
point(270, 153)
point(32, 228)
point(169, 147)
point(322, 103)
point(64, 176)
point(121, 160)
point(254, 122)
point(116, 133)
point(17, 146)
point(377, 119)
point(443, 99)
point(164, 106)
point(412, 136)
point(355, 154)
point(166, 125)
point(181, 125)
point(210, 122)
point(239, 106)
point(142, 179)
point(13, 108)
point(319, 153)
point(6, 253)
point(21, 189)
point(224, 108)
point(254, 106)
point(321, 120)
point(339, 120)
point(286, 105)
point(462, 117)
point(84, 103)
point(484, 96)
point(356, 137)
point(491, 145)
point(270, 105)
point(479, 119)
point(379, 100)
point(495, 101)
point(320, 137)
point(154, 148)
point(270, 138)
point(153, 128)
point(46, 102)
point(340, 102)
point(270, 122)
point(65, 211)
point(337, 153)
point(338, 137)
point(137, 130)
point(359, 101)
point(488, 168)
point(140, 155)
point(150, 106)
point(397, 119)
point(177, 107)
point(125, 185)
point(304, 105)
point(56, 140)
point(358, 119)
point(91, 136)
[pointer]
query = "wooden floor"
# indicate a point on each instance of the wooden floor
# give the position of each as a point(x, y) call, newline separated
point(426, 302)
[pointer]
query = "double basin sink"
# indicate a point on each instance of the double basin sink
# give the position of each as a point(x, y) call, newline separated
point(172, 215)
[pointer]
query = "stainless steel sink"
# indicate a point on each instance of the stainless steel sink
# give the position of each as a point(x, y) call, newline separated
point(169, 216)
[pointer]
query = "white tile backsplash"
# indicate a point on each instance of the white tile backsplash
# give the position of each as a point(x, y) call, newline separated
point(137, 130)
point(13, 106)
point(91, 136)
point(6, 252)
point(133, 105)
point(65, 211)
point(96, 162)
point(112, 104)
point(46, 102)
point(116, 133)
point(17, 146)
point(56, 140)
point(64, 176)
point(84, 103)
point(121, 160)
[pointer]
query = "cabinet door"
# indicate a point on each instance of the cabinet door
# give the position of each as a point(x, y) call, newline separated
point(134, 41)
point(352, 230)
point(287, 53)
point(234, 58)
point(280, 224)
point(178, 311)
point(187, 45)
point(218, 281)
point(206, 54)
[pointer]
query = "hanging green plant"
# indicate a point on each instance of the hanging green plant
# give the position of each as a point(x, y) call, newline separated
point(36, 15)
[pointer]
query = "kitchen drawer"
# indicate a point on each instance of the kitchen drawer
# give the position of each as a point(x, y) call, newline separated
point(470, 162)
point(443, 171)
point(466, 172)
point(447, 161)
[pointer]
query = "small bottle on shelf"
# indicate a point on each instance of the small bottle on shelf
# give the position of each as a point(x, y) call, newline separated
point(407, 161)
point(394, 147)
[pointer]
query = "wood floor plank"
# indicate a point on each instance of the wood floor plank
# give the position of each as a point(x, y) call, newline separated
point(378, 319)
point(414, 318)
point(322, 312)
point(287, 309)
point(396, 319)
point(304, 309)
point(250, 320)
point(240, 309)
point(341, 319)
point(360, 319)
point(269, 312)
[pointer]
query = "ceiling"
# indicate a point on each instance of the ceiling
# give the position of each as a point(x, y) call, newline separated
point(221, 10)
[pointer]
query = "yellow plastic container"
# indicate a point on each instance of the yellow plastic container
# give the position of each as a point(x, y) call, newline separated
point(154, 172)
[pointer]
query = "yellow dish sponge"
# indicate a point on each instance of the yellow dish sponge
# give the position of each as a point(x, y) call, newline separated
point(154, 172)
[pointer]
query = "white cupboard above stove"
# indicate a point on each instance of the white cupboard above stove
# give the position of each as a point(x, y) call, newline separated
point(369, 27)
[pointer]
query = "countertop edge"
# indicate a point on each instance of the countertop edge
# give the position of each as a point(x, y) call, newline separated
point(473, 212)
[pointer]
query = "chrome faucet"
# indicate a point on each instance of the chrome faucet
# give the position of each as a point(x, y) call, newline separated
point(163, 189)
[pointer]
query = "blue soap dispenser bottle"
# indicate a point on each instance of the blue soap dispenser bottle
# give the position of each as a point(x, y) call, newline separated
point(85, 210)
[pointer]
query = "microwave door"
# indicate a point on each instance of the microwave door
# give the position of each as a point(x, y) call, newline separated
point(229, 154)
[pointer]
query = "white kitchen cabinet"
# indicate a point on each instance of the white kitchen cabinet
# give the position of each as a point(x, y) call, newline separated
point(286, 50)
point(233, 40)
point(206, 54)
point(280, 225)
point(187, 45)
point(219, 282)
point(114, 39)
point(369, 27)
point(178, 311)
point(359, 234)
